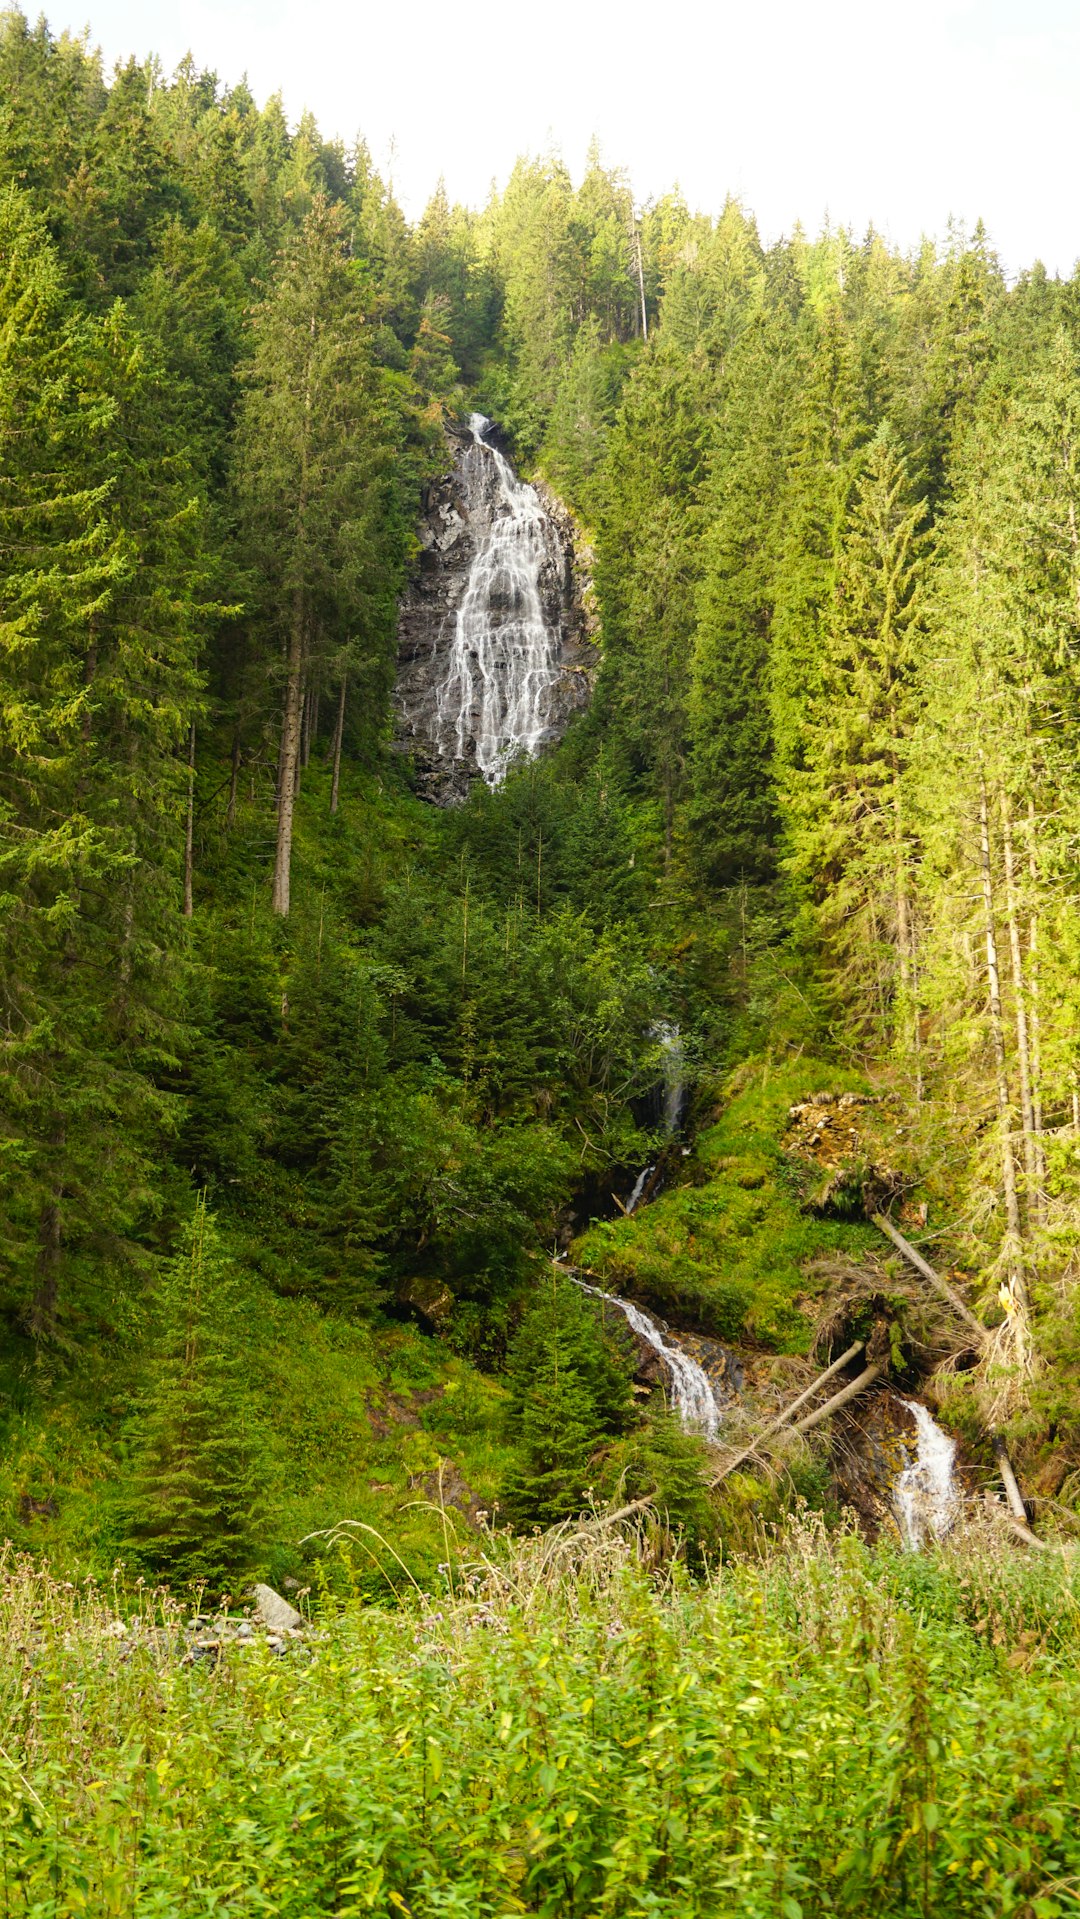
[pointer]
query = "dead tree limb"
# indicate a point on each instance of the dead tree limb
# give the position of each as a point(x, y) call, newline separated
point(1008, 1479)
point(1013, 1495)
point(782, 1418)
point(833, 1405)
point(940, 1285)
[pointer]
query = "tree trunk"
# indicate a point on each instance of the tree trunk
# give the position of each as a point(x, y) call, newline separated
point(776, 1425)
point(1015, 1288)
point(311, 718)
point(234, 782)
point(641, 283)
point(833, 1405)
point(300, 728)
point(906, 942)
point(1033, 1016)
point(339, 732)
point(940, 1285)
point(290, 754)
point(1023, 1053)
point(189, 828)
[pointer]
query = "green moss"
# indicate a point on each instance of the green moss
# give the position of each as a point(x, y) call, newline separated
point(729, 1250)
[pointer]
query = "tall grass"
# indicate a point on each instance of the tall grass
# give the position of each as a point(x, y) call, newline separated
point(566, 1731)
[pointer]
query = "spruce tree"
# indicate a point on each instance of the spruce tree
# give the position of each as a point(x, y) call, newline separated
point(191, 1509)
point(312, 451)
point(569, 1382)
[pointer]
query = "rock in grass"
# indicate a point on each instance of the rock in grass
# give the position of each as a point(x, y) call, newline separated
point(276, 1613)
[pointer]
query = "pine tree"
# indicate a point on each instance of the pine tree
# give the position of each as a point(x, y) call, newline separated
point(847, 836)
point(101, 550)
point(569, 1391)
point(313, 444)
point(192, 1507)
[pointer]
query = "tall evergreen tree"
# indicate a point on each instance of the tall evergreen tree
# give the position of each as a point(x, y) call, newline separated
point(312, 451)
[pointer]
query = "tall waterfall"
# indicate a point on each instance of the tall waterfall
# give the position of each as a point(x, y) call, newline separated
point(692, 1396)
point(503, 664)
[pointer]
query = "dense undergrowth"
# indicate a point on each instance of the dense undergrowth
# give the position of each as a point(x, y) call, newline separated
point(565, 1731)
point(727, 1249)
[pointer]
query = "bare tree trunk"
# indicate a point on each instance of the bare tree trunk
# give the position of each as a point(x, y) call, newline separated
point(290, 754)
point(339, 732)
point(906, 944)
point(1023, 1055)
point(311, 714)
point(641, 283)
point(234, 782)
point(1033, 1016)
point(940, 1285)
point(1015, 1289)
point(776, 1425)
point(833, 1405)
point(300, 727)
point(189, 828)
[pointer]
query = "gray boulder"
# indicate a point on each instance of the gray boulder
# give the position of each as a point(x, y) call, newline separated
point(276, 1613)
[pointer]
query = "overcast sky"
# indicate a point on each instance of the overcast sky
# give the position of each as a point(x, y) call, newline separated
point(903, 114)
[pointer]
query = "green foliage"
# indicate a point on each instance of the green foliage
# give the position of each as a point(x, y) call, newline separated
point(831, 1732)
point(192, 1510)
point(728, 1252)
point(568, 1378)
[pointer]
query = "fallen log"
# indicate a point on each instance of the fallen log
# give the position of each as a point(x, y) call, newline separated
point(833, 1405)
point(1013, 1495)
point(940, 1285)
point(782, 1418)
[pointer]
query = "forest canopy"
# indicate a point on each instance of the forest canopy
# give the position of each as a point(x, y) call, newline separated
point(370, 1057)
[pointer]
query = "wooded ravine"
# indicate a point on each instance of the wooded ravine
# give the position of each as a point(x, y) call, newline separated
point(540, 1023)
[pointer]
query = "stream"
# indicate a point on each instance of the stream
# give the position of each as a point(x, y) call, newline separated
point(690, 1393)
point(925, 1495)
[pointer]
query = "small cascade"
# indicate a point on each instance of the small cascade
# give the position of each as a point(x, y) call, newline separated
point(672, 1090)
point(503, 663)
point(674, 1075)
point(640, 1184)
point(925, 1496)
point(691, 1394)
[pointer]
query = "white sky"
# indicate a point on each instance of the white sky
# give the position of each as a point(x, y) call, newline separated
point(906, 115)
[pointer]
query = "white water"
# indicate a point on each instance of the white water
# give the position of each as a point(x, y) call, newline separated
point(691, 1395)
point(674, 1072)
point(925, 1494)
point(504, 660)
point(673, 1083)
point(639, 1187)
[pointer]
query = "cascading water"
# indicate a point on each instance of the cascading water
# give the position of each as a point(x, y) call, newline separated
point(640, 1184)
point(503, 664)
point(925, 1495)
point(691, 1394)
point(674, 1074)
point(672, 1098)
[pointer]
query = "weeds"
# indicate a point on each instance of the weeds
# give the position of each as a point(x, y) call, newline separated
point(566, 1732)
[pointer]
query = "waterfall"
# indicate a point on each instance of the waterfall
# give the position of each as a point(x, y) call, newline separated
point(925, 1494)
point(691, 1395)
point(640, 1184)
point(672, 1097)
point(503, 663)
point(674, 1074)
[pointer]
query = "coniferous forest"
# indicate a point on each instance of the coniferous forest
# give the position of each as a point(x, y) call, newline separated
point(329, 1115)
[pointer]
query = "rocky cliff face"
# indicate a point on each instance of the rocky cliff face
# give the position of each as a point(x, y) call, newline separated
point(497, 639)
